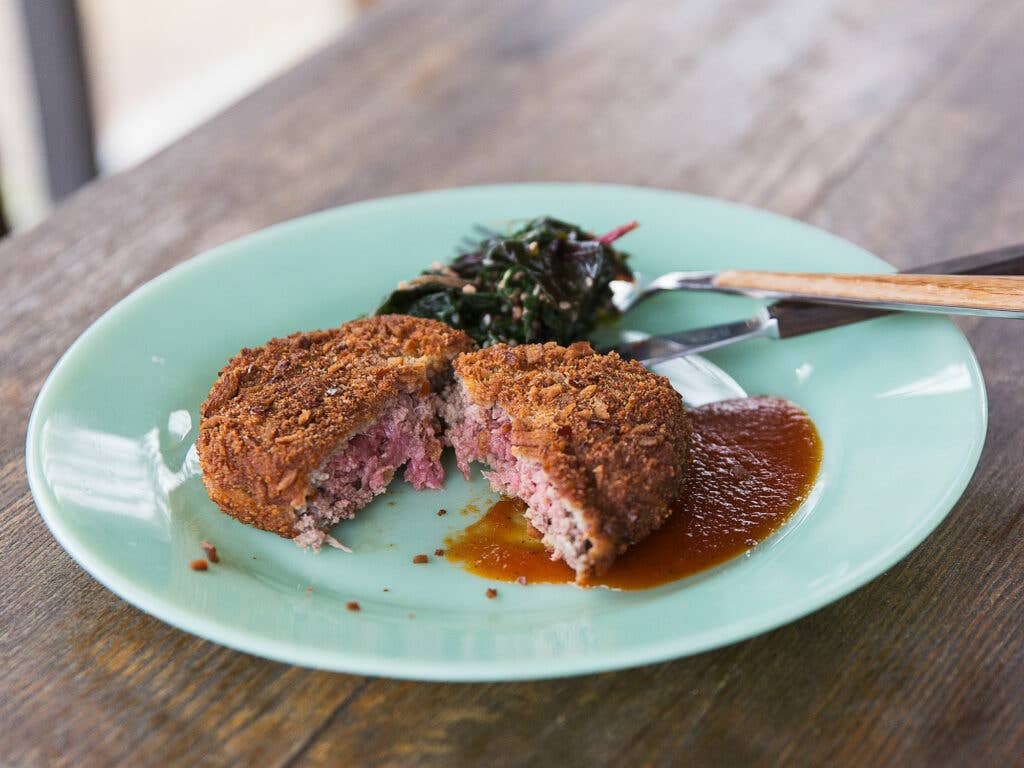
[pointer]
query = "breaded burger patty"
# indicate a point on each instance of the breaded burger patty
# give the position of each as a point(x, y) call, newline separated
point(595, 446)
point(301, 432)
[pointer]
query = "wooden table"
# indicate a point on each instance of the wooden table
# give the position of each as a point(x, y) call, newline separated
point(894, 123)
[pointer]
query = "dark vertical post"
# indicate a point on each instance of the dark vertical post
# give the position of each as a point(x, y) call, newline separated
point(4, 226)
point(55, 49)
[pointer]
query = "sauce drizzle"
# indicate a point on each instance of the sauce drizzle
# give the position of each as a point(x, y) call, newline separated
point(753, 461)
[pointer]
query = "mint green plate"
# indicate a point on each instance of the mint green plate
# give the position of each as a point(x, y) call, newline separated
point(899, 402)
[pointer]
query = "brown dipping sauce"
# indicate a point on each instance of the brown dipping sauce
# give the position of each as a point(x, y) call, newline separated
point(752, 463)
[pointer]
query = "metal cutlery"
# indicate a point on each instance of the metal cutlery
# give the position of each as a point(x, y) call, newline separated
point(999, 296)
point(788, 318)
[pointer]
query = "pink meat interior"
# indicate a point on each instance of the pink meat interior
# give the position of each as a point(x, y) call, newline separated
point(406, 434)
point(484, 435)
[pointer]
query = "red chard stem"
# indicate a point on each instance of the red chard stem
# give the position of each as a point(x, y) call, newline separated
point(618, 232)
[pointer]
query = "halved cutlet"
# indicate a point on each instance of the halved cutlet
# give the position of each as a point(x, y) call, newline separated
point(595, 446)
point(304, 431)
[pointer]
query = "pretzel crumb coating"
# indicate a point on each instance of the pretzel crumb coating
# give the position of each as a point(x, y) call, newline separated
point(277, 412)
point(595, 445)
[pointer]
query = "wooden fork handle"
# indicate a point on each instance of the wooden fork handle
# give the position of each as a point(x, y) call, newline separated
point(963, 292)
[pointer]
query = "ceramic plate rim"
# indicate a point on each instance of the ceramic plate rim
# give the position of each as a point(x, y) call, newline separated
point(415, 668)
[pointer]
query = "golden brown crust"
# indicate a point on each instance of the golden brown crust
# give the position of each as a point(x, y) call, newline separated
point(277, 411)
point(611, 435)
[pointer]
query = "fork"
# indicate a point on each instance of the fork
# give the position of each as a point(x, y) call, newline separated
point(785, 319)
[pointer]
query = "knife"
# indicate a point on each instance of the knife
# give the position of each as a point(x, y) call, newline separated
point(785, 319)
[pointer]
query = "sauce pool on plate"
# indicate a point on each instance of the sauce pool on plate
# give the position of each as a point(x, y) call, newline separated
point(752, 463)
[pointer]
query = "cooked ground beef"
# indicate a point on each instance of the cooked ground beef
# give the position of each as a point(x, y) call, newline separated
point(405, 435)
point(594, 445)
point(305, 430)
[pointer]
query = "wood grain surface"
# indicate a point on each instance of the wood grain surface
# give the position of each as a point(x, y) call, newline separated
point(960, 291)
point(893, 123)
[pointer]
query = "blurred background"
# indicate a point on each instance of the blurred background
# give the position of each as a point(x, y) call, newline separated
point(94, 86)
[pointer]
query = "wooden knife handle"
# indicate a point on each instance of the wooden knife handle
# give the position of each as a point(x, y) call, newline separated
point(960, 291)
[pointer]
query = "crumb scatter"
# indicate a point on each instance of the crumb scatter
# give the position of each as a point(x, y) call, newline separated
point(211, 551)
